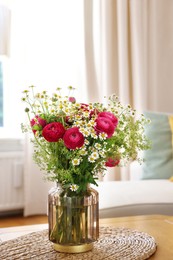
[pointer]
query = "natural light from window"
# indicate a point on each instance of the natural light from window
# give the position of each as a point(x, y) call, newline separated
point(1, 95)
point(46, 50)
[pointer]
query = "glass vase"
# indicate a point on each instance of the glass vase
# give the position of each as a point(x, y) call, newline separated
point(73, 219)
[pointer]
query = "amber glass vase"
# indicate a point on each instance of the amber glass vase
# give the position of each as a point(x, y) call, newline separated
point(73, 219)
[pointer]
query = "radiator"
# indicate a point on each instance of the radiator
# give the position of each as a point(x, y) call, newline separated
point(11, 181)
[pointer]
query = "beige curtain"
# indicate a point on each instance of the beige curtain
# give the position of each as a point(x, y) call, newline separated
point(129, 51)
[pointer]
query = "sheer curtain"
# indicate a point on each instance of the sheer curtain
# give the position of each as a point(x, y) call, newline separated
point(46, 51)
point(130, 53)
point(99, 46)
point(5, 17)
point(53, 59)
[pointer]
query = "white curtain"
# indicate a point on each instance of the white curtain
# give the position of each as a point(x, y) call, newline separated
point(5, 24)
point(99, 46)
point(46, 51)
point(35, 188)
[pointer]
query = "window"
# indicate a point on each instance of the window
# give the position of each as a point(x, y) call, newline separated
point(54, 58)
point(1, 95)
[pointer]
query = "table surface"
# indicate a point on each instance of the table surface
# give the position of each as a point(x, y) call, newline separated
point(158, 226)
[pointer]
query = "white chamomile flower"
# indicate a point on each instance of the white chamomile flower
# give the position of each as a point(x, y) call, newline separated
point(77, 105)
point(66, 110)
point(82, 129)
point(93, 135)
point(87, 142)
point(95, 155)
point(91, 159)
point(92, 122)
point(86, 114)
point(77, 123)
point(76, 162)
point(74, 187)
point(102, 136)
point(98, 146)
point(85, 132)
point(102, 153)
point(89, 124)
point(93, 149)
point(78, 117)
point(90, 106)
point(83, 152)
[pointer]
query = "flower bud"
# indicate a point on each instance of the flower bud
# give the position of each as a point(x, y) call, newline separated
point(72, 99)
point(26, 109)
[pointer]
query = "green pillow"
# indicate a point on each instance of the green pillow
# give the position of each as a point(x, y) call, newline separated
point(159, 159)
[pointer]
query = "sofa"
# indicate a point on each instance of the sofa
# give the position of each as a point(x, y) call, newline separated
point(135, 197)
point(149, 189)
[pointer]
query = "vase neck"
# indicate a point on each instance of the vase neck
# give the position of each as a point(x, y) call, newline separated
point(59, 186)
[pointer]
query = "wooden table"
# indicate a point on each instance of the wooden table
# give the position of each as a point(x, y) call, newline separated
point(158, 226)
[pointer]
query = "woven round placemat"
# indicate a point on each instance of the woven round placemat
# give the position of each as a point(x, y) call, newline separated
point(114, 243)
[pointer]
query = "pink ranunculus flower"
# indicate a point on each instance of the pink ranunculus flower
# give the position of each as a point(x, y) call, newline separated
point(104, 125)
point(73, 138)
point(37, 121)
point(112, 162)
point(72, 99)
point(109, 115)
point(52, 132)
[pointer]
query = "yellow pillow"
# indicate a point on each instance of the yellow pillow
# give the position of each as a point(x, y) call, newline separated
point(171, 179)
point(171, 125)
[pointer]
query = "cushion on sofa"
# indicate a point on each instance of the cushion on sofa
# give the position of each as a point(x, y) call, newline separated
point(159, 159)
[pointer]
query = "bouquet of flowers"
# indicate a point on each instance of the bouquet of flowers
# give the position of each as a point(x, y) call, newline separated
point(74, 142)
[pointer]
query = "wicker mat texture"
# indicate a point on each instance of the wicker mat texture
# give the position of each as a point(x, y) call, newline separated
point(114, 243)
